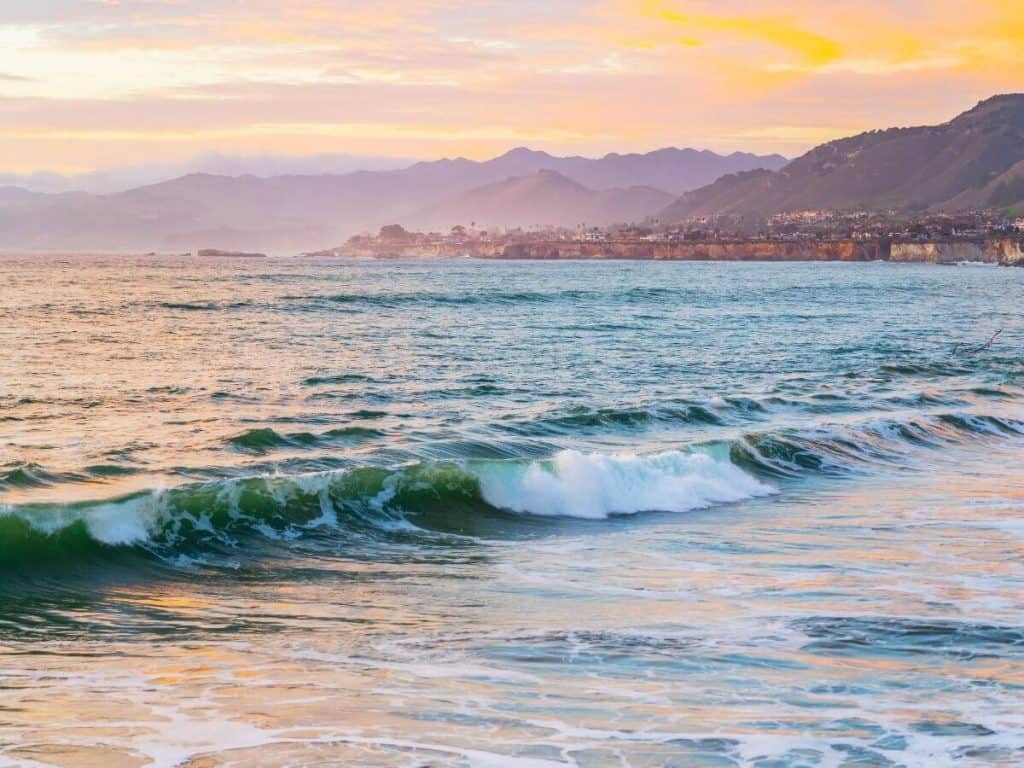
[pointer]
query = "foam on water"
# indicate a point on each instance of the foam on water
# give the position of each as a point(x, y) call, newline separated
point(594, 486)
point(116, 523)
point(377, 502)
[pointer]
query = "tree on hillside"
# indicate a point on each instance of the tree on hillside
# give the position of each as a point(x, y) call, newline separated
point(393, 232)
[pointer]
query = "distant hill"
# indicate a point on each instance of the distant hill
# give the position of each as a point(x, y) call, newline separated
point(289, 213)
point(672, 170)
point(970, 162)
point(113, 180)
point(545, 198)
point(18, 198)
point(1004, 191)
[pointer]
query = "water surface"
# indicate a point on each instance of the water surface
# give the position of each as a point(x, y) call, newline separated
point(280, 512)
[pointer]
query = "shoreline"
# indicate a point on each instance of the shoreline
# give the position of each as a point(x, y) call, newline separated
point(997, 251)
point(1005, 251)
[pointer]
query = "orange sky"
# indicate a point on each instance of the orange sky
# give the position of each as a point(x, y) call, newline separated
point(87, 84)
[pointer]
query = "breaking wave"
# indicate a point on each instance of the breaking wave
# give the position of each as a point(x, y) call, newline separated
point(347, 509)
point(596, 486)
point(370, 503)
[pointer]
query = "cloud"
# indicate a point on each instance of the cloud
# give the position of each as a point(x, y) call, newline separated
point(97, 82)
point(776, 30)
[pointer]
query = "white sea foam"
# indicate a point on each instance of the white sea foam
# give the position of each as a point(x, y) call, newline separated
point(118, 522)
point(570, 484)
point(575, 484)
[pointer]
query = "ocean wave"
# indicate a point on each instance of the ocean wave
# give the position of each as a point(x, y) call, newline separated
point(722, 411)
point(467, 497)
point(267, 439)
point(32, 475)
point(582, 418)
point(399, 299)
point(596, 486)
point(203, 306)
point(858, 635)
point(930, 368)
point(442, 298)
point(339, 378)
point(371, 503)
point(836, 450)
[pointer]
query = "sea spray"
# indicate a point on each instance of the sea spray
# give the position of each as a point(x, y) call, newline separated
point(575, 484)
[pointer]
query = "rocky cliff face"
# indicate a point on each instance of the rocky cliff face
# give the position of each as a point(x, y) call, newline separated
point(1007, 251)
point(840, 250)
point(938, 253)
point(1004, 251)
point(413, 250)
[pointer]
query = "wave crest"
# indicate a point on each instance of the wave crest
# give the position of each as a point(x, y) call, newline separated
point(595, 486)
point(471, 497)
point(373, 503)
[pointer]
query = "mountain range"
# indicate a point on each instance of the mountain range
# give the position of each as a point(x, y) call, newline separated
point(976, 160)
point(545, 198)
point(111, 180)
point(287, 213)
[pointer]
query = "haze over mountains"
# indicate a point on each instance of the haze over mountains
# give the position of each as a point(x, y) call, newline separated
point(545, 198)
point(297, 212)
point(112, 180)
point(975, 160)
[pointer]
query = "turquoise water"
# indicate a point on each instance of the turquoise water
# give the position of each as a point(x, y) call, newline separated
point(284, 512)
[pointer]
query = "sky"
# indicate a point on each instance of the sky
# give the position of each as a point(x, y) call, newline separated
point(93, 84)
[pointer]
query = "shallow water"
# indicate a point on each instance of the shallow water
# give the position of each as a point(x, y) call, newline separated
point(458, 513)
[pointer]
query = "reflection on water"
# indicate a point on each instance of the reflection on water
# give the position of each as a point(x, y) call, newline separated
point(870, 624)
point(823, 564)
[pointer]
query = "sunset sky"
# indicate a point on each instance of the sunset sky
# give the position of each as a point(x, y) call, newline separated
point(89, 84)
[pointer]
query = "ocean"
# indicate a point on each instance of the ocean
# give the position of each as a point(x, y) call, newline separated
point(287, 512)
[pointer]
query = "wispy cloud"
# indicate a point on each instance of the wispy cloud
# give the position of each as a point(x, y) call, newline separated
point(94, 82)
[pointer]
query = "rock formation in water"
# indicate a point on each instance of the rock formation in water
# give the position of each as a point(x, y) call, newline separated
point(207, 253)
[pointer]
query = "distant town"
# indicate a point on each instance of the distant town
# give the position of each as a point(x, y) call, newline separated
point(984, 236)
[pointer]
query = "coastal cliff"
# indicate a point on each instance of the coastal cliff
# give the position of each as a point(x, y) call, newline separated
point(753, 250)
point(1004, 251)
point(1007, 251)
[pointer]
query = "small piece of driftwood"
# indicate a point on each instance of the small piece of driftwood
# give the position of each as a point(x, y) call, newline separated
point(964, 350)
